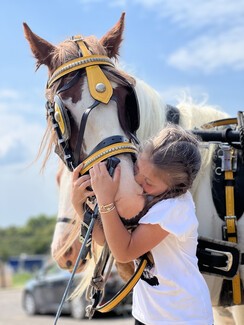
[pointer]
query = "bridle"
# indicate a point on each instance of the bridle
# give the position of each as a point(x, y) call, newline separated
point(102, 92)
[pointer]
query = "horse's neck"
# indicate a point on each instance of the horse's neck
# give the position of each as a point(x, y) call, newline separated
point(153, 112)
point(195, 115)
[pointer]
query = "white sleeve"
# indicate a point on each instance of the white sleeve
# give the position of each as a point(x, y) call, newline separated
point(177, 216)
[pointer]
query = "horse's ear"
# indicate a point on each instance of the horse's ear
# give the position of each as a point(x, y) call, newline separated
point(112, 39)
point(40, 48)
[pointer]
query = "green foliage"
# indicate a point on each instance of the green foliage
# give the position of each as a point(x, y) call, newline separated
point(19, 279)
point(33, 238)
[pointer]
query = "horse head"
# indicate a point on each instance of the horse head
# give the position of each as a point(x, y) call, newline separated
point(94, 111)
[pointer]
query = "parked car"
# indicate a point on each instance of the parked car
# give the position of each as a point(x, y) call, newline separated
point(43, 293)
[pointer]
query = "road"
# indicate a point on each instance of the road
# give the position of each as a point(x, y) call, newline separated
point(11, 313)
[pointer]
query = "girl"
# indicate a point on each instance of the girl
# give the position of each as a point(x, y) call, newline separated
point(173, 291)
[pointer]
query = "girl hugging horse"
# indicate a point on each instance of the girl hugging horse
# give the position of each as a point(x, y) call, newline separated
point(166, 168)
point(84, 77)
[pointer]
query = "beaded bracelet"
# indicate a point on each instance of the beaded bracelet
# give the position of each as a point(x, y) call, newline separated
point(106, 208)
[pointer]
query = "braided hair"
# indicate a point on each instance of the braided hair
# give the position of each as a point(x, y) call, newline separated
point(173, 152)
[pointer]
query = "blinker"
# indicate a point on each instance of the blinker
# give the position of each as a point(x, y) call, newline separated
point(57, 117)
point(61, 117)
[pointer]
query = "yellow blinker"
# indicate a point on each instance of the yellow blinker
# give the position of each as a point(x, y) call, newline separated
point(59, 119)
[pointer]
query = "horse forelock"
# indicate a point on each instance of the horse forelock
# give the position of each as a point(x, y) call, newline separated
point(69, 50)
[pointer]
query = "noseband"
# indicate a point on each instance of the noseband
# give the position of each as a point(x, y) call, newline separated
point(102, 92)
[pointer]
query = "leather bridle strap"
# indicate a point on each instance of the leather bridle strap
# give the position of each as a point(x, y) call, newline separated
point(82, 131)
point(77, 64)
point(99, 86)
point(111, 150)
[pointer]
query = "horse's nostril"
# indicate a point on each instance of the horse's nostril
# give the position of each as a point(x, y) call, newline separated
point(68, 264)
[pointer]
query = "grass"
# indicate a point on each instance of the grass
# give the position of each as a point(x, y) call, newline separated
point(19, 279)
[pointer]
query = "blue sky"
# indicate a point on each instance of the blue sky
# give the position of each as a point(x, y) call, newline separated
point(194, 46)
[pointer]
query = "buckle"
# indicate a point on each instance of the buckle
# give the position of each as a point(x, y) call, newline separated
point(228, 156)
point(229, 256)
point(218, 257)
point(77, 38)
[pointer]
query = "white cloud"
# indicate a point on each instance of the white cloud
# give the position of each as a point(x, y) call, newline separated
point(112, 3)
point(17, 134)
point(198, 13)
point(24, 191)
point(8, 94)
point(208, 53)
point(20, 129)
point(216, 28)
point(188, 13)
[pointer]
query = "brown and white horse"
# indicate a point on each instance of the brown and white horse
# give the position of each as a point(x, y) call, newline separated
point(116, 116)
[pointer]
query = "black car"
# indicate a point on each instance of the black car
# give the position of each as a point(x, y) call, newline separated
point(43, 294)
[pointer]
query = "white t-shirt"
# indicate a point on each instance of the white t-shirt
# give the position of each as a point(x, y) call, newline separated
point(180, 295)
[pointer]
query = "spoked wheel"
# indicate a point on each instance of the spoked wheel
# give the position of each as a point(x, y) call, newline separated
point(29, 304)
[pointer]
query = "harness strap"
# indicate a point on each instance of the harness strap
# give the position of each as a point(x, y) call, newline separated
point(125, 290)
point(66, 220)
point(107, 142)
point(231, 229)
point(226, 121)
point(82, 131)
point(99, 85)
point(106, 152)
point(77, 64)
point(95, 77)
point(218, 257)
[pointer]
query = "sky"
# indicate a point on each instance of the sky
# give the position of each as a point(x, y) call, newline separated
point(194, 47)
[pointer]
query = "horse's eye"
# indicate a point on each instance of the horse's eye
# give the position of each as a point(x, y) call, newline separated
point(136, 170)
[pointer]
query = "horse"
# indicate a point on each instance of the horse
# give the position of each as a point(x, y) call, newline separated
point(122, 106)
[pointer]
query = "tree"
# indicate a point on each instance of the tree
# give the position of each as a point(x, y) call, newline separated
point(33, 238)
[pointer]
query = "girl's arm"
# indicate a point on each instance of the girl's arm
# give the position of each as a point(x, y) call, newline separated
point(79, 195)
point(125, 246)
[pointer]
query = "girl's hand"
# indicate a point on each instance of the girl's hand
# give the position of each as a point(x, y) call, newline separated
point(104, 186)
point(80, 193)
